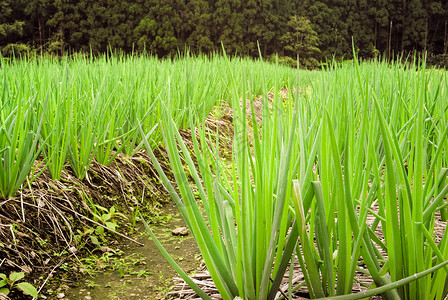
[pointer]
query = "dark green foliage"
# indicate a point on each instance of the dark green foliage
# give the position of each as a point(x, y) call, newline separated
point(361, 26)
point(301, 40)
point(416, 32)
point(379, 15)
point(165, 27)
point(261, 25)
point(12, 22)
point(197, 26)
point(160, 29)
point(38, 13)
point(16, 50)
point(440, 60)
point(330, 28)
point(230, 26)
point(93, 25)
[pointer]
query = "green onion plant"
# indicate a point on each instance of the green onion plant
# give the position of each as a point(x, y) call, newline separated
point(360, 150)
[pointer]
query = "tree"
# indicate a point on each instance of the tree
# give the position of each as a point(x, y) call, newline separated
point(38, 13)
point(165, 26)
point(397, 15)
point(302, 40)
point(415, 26)
point(96, 26)
point(361, 26)
point(67, 27)
point(380, 14)
point(261, 24)
point(11, 24)
point(437, 26)
point(230, 27)
point(159, 31)
point(326, 21)
point(198, 26)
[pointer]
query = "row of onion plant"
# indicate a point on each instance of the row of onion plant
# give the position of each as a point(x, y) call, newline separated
point(72, 110)
point(348, 175)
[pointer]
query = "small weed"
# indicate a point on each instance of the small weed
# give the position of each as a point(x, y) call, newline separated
point(91, 284)
point(107, 217)
point(42, 242)
point(111, 260)
point(8, 283)
point(141, 273)
point(96, 235)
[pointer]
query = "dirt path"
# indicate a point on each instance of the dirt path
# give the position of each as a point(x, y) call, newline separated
point(151, 276)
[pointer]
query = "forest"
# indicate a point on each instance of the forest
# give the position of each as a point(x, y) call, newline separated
point(317, 30)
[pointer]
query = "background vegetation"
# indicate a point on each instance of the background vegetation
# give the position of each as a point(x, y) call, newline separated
point(318, 29)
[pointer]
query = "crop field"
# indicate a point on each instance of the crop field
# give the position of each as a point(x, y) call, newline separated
point(76, 110)
point(339, 173)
